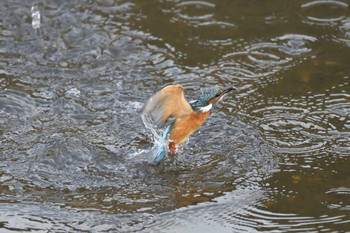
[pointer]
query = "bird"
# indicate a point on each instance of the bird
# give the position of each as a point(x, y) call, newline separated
point(169, 107)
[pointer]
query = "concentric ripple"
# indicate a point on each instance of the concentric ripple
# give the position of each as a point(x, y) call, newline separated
point(294, 127)
point(195, 10)
point(342, 195)
point(324, 12)
point(267, 58)
point(232, 213)
point(193, 19)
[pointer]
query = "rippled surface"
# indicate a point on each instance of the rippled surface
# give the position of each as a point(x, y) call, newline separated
point(272, 157)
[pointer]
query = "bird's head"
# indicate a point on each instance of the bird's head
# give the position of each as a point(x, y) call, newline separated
point(208, 98)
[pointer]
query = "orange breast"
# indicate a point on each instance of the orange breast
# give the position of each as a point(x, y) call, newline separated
point(185, 126)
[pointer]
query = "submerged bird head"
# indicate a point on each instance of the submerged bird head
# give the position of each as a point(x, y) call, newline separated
point(208, 98)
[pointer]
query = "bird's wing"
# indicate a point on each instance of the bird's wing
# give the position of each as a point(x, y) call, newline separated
point(168, 102)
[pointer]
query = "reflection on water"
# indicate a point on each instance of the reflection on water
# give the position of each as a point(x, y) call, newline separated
point(75, 153)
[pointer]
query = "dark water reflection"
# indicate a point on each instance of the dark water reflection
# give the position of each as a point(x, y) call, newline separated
point(74, 151)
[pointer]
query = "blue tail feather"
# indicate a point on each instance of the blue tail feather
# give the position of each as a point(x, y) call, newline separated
point(161, 145)
point(160, 153)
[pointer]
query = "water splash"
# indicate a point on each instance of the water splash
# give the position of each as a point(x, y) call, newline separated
point(35, 17)
point(157, 137)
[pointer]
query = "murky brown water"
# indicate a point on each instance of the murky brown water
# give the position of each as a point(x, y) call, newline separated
point(74, 152)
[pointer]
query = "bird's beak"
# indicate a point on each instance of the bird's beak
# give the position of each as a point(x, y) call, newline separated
point(220, 94)
point(226, 91)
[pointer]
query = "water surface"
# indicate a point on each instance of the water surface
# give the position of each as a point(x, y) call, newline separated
point(273, 156)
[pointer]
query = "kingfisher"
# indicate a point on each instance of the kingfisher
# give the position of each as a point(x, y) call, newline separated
point(169, 107)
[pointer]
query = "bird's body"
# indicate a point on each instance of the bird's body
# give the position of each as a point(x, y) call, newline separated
point(185, 126)
point(170, 104)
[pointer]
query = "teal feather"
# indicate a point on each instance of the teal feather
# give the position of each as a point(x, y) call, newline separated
point(161, 145)
point(204, 98)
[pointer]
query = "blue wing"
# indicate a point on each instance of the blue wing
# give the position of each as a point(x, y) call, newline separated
point(161, 145)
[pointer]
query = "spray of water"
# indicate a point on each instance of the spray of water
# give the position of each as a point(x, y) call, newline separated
point(35, 17)
point(156, 136)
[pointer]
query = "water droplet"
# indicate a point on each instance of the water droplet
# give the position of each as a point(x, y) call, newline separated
point(73, 92)
point(35, 17)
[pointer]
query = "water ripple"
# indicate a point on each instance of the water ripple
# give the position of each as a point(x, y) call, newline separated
point(231, 213)
point(306, 125)
point(324, 12)
point(73, 146)
point(266, 58)
point(341, 202)
point(197, 10)
point(16, 103)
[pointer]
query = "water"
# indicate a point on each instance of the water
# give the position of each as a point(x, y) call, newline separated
point(75, 154)
point(36, 17)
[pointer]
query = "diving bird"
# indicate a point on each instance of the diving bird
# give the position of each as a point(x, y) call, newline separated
point(169, 107)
